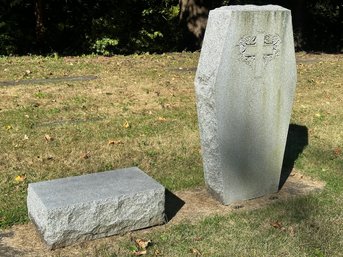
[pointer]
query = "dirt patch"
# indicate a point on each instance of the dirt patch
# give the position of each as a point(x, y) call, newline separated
point(199, 204)
point(182, 206)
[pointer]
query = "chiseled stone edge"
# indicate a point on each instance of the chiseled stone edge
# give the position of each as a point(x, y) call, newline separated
point(154, 199)
point(205, 81)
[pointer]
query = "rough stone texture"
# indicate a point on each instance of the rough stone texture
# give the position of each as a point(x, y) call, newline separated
point(245, 84)
point(91, 206)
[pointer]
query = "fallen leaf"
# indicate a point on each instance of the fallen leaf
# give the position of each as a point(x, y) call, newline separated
point(277, 225)
point(115, 142)
point(337, 151)
point(239, 206)
point(48, 138)
point(86, 155)
point(28, 72)
point(291, 231)
point(26, 137)
point(161, 119)
point(143, 244)
point(196, 252)
point(140, 253)
point(50, 158)
point(20, 178)
point(126, 124)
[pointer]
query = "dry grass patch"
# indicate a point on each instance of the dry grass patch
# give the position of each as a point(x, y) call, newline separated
point(144, 102)
point(141, 111)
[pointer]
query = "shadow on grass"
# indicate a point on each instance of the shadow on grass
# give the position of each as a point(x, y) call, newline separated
point(172, 205)
point(47, 80)
point(297, 140)
point(317, 235)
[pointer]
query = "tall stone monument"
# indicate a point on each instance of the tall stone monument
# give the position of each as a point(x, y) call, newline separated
point(245, 84)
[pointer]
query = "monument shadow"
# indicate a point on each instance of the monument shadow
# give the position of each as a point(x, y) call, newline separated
point(297, 140)
point(172, 205)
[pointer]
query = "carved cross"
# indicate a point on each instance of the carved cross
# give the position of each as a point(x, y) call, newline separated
point(258, 50)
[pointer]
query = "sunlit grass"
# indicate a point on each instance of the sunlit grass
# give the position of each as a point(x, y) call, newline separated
point(145, 105)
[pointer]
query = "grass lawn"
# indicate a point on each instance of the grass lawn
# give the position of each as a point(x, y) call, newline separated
point(141, 112)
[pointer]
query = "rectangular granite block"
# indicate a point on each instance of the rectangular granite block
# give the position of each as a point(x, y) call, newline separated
point(96, 205)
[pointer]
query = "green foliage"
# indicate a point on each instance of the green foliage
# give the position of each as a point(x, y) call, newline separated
point(324, 25)
point(7, 46)
point(81, 27)
point(122, 27)
point(105, 46)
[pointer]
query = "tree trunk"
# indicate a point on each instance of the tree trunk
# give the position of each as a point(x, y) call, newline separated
point(193, 19)
point(40, 28)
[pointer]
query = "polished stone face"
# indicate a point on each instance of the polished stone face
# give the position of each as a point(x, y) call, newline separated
point(245, 84)
point(96, 205)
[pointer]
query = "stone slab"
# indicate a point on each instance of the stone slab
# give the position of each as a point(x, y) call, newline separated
point(245, 84)
point(75, 209)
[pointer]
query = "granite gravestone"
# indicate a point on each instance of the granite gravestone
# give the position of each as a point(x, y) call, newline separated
point(75, 209)
point(245, 84)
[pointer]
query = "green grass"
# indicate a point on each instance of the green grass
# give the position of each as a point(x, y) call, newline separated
point(155, 98)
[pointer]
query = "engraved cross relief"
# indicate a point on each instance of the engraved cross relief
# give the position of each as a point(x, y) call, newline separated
point(257, 51)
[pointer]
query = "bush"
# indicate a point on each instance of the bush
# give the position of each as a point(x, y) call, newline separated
point(133, 26)
point(76, 27)
point(105, 46)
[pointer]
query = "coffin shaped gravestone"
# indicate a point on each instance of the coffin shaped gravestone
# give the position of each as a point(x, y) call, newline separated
point(245, 84)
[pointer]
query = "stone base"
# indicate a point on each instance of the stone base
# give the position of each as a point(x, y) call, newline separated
point(75, 209)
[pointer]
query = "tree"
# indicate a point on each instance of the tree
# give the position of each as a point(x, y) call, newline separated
point(193, 19)
point(134, 26)
point(40, 27)
point(317, 24)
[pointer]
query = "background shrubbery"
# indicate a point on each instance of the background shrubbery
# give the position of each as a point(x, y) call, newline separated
point(111, 26)
point(76, 27)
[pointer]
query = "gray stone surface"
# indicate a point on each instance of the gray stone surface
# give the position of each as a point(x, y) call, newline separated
point(245, 84)
point(96, 205)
